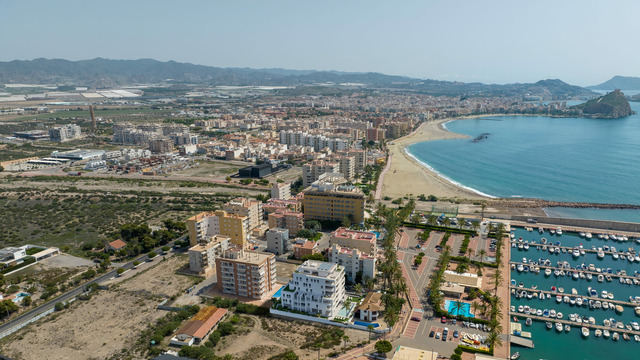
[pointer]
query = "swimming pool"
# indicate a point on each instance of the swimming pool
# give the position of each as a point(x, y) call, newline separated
point(278, 293)
point(19, 297)
point(465, 310)
point(362, 323)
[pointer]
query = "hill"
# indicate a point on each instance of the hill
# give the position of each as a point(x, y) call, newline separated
point(104, 73)
point(611, 106)
point(619, 82)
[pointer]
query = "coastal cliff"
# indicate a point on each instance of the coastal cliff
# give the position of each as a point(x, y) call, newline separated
point(614, 105)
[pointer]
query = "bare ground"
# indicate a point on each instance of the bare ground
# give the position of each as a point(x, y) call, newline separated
point(103, 326)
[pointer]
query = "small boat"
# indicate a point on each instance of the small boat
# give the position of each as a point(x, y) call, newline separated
point(515, 319)
point(515, 356)
point(588, 235)
point(513, 308)
point(619, 309)
point(547, 272)
point(606, 322)
point(526, 246)
point(528, 321)
point(552, 313)
point(585, 332)
point(579, 301)
point(558, 327)
point(549, 325)
point(605, 305)
point(589, 276)
point(520, 267)
point(560, 289)
point(559, 231)
point(513, 282)
point(610, 296)
point(559, 315)
point(558, 299)
point(567, 328)
point(598, 333)
point(635, 326)
point(540, 230)
point(520, 308)
point(636, 338)
point(539, 312)
point(600, 278)
point(626, 337)
point(615, 336)
point(600, 254)
point(606, 333)
point(582, 234)
point(545, 313)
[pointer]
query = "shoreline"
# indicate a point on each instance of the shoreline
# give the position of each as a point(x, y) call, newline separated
point(402, 165)
point(424, 179)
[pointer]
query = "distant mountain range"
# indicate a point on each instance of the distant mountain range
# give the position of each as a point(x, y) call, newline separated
point(619, 82)
point(104, 73)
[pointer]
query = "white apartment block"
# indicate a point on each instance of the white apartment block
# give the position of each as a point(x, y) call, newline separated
point(318, 142)
point(317, 287)
point(311, 171)
point(202, 256)
point(353, 261)
point(281, 191)
point(278, 241)
point(64, 132)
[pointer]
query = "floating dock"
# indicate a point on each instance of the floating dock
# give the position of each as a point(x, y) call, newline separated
point(575, 324)
point(555, 293)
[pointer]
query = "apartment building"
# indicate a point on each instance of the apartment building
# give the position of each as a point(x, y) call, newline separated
point(278, 241)
point(202, 256)
point(184, 139)
point(347, 166)
point(376, 134)
point(204, 225)
point(303, 247)
point(64, 132)
point(281, 191)
point(252, 209)
point(243, 273)
point(329, 199)
point(311, 171)
point(317, 287)
point(364, 241)
point(360, 159)
point(290, 220)
point(273, 205)
point(160, 145)
point(353, 261)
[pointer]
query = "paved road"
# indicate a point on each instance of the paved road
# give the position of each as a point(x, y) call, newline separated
point(71, 293)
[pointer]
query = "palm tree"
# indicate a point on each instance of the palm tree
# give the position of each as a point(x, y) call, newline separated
point(431, 219)
point(358, 288)
point(346, 340)
point(470, 252)
point(370, 328)
point(447, 222)
point(475, 306)
point(494, 339)
point(475, 224)
point(479, 268)
point(482, 253)
point(458, 305)
point(370, 283)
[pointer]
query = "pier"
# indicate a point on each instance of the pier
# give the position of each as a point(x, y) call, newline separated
point(571, 248)
point(578, 270)
point(556, 293)
point(575, 324)
point(514, 339)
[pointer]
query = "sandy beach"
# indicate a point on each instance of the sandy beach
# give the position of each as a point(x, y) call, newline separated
point(406, 176)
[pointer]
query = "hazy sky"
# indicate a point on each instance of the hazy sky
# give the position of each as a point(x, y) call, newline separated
point(582, 42)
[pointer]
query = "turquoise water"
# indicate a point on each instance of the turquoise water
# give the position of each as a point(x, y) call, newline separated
point(624, 215)
point(278, 293)
point(564, 159)
point(548, 342)
point(465, 310)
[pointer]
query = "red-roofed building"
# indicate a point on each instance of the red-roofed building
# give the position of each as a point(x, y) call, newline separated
point(196, 329)
point(364, 241)
point(115, 245)
point(304, 247)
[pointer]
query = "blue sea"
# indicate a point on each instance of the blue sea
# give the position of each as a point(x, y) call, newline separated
point(563, 159)
point(552, 345)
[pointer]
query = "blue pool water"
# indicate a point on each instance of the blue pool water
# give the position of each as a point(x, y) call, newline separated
point(464, 311)
point(362, 323)
point(278, 293)
point(19, 296)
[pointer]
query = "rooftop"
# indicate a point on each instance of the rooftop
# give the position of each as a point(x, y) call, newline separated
point(372, 302)
point(117, 244)
point(354, 234)
point(465, 279)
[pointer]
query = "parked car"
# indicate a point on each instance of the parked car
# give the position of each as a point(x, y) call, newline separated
point(455, 334)
point(432, 333)
point(453, 322)
point(438, 335)
point(443, 320)
point(415, 318)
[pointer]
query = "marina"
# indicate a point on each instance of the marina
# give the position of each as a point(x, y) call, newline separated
point(583, 290)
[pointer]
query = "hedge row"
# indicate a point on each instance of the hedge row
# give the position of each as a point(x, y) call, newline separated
point(475, 262)
point(473, 350)
point(440, 228)
point(27, 261)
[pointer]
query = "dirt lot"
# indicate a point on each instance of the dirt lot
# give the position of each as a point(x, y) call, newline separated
point(104, 326)
point(262, 338)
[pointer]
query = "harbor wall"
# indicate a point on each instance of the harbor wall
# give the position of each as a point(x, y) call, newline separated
point(585, 223)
